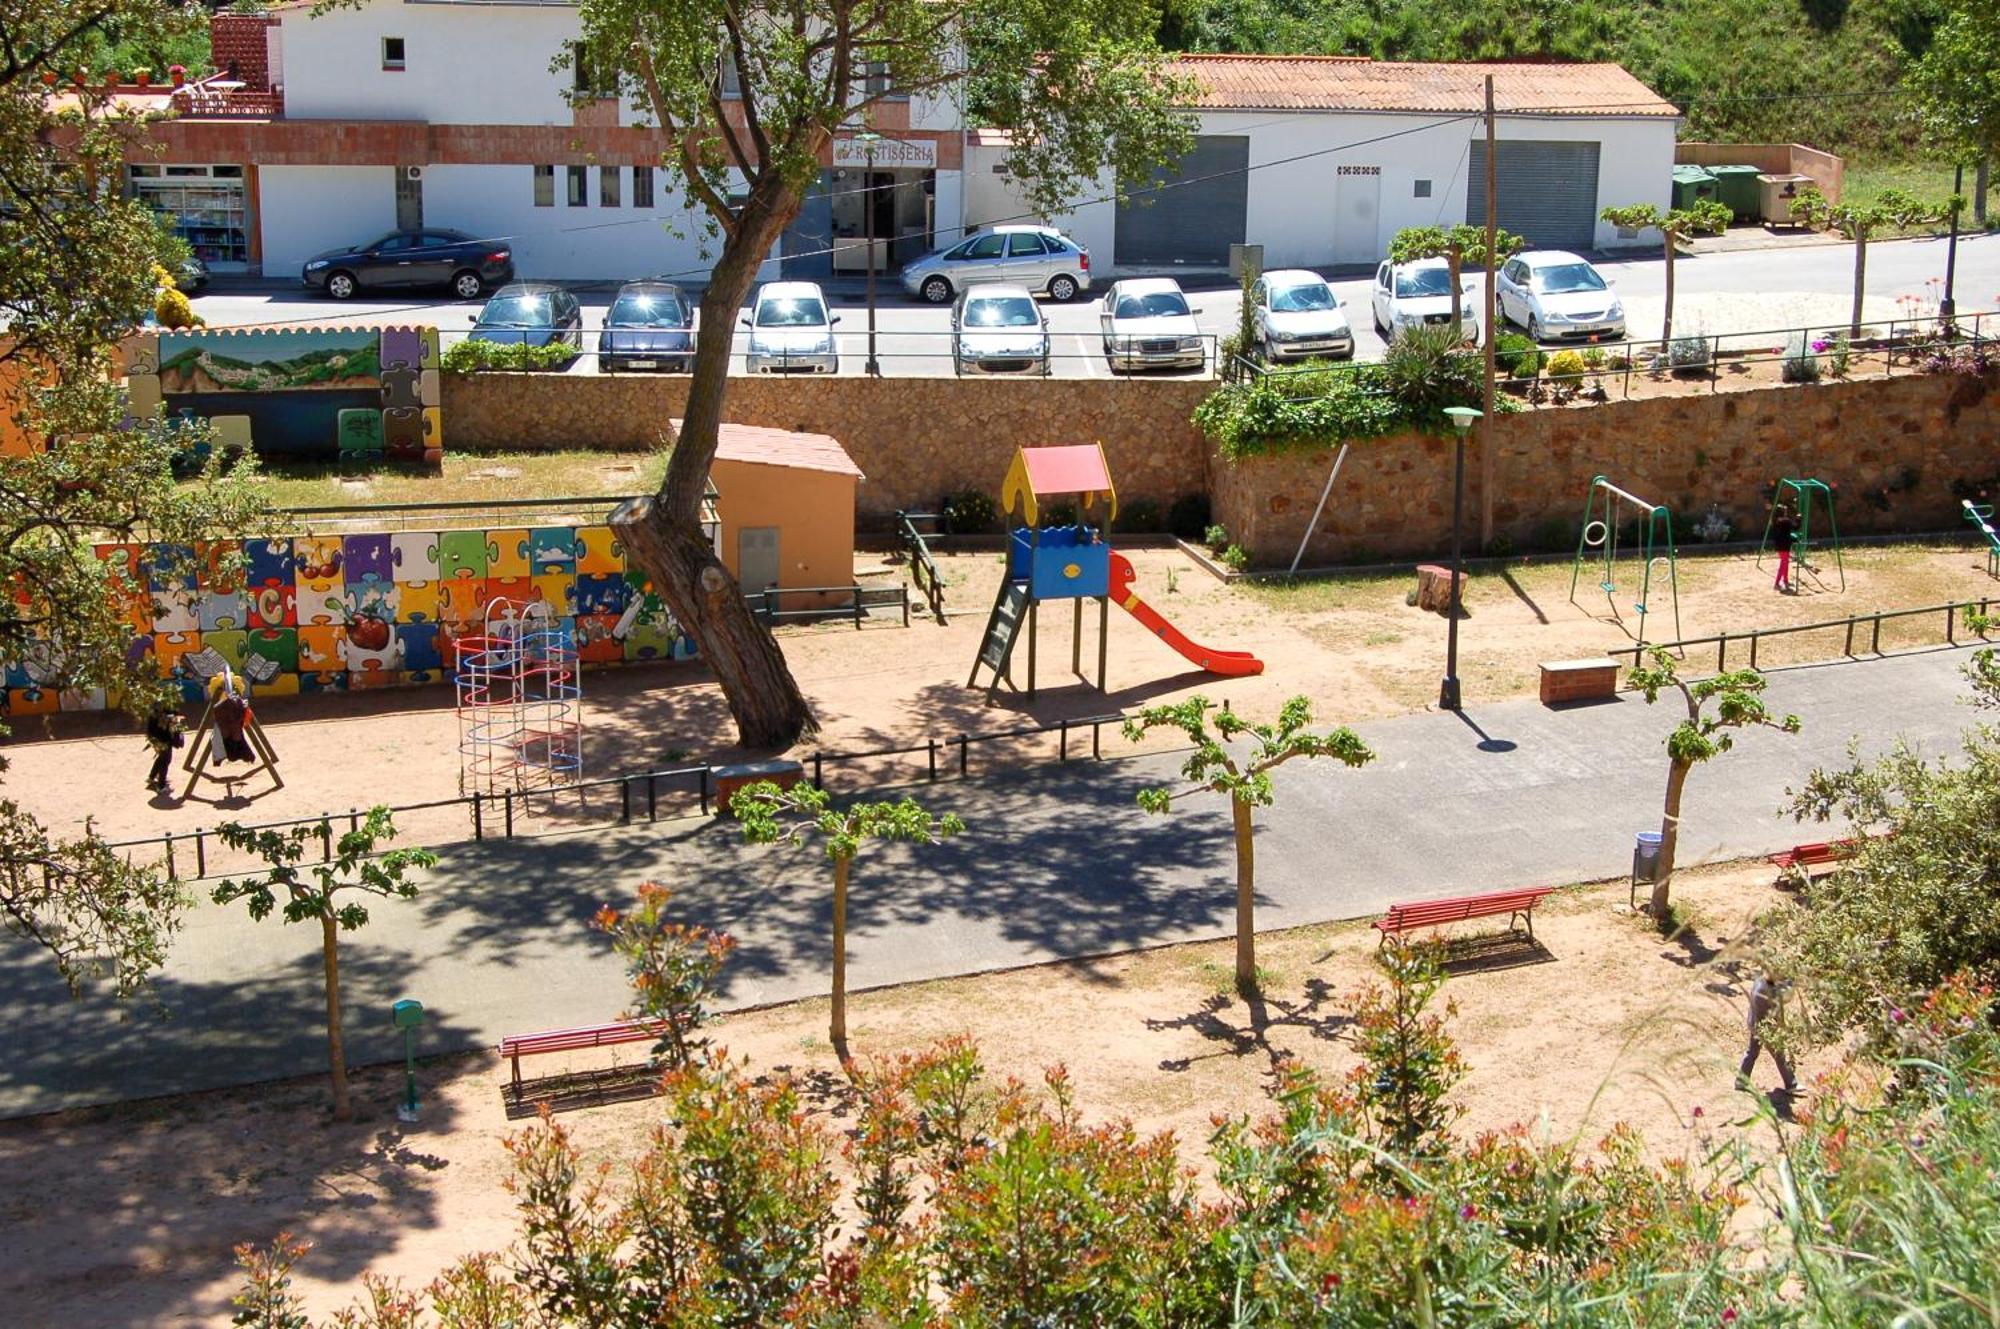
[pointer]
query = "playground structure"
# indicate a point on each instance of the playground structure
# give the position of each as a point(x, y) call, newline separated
point(229, 732)
point(1071, 563)
point(1981, 516)
point(1804, 495)
point(1656, 533)
point(520, 702)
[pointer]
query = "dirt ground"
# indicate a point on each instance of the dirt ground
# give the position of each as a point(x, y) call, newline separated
point(1351, 644)
point(127, 1215)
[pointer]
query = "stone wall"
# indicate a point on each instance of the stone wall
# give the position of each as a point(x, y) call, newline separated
point(916, 439)
point(1891, 448)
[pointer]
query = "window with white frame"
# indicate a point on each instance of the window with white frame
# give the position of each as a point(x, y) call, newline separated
point(392, 53)
point(607, 186)
point(545, 186)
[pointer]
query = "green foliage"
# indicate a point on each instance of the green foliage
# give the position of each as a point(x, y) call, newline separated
point(1141, 516)
point(472, 356)
point(1311, 409)
point(1408, 1063)
point(1676, 224)
point(267, 1299)
point(673, 969)
point(1215, 537)
point(770, 815)
point(1892, 209)
point(1689, 352)
point(1426, 369)
point(1957, 82)
point(971, 512)
point(1188, 518)
point(1419, 242)
point(1799, 365)
point(1517, 355)
point(1234, 557)
point(1567, 364)
point(1211, 767)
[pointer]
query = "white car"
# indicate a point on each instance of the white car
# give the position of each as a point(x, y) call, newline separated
point(790, 330)
point(1408, 295)
point(1555, 294)
point(1147, 324)
point(1299, 317)
point(998, 329)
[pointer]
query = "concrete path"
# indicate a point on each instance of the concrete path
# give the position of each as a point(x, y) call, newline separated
point(1058, 863)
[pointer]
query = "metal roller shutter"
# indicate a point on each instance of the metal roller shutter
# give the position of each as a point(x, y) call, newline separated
point(1547, 191)
point(1197, 216)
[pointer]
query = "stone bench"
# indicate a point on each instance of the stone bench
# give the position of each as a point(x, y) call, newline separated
point(1579, 680)
point(730, 779)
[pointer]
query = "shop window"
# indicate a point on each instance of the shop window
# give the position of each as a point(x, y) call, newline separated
point(545, 186)
point(642, 186)
point(578, 178)
point(1423, 189)
point(392, 53)
point(607, 186)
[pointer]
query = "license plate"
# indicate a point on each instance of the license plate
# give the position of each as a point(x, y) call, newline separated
point(643, 364)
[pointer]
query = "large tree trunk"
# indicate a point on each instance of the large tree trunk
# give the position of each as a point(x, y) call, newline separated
point(1670, 834)
point(663, 532)
point(837, 1031)
point(1246, 899)
point(336, 1054)
point(1860, 285)
point(1667, 317)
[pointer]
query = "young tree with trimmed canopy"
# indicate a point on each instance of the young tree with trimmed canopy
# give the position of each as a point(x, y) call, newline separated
point(1738, 703)
point(1459, 246)
point(1674, 225)
point(1213, 768)
point(771, 815)
point(77, 266)
point(323, 893)
point(1891, 209)
point(1956, 85)
point(1080, 84)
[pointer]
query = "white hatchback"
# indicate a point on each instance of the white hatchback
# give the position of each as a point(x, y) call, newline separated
point(1409, 295)
point(790, 330)
point(1299, 317)
point(1556, 294)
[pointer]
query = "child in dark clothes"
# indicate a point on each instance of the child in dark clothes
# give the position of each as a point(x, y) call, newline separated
point(1784, 532)
point(163, 735)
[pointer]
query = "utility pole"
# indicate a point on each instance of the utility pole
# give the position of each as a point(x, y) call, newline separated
point(1486, 448)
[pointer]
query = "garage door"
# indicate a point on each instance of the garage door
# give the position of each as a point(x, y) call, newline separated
point(1547, 192)
point(1196, 215)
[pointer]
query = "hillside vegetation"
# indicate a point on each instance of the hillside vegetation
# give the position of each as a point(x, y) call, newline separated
point(1823, 72)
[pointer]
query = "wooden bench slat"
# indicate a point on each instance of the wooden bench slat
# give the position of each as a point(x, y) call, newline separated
point(1415, 914)
point(516, 1046)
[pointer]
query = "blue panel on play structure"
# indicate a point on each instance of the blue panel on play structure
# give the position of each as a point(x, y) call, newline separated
point(1061, 563)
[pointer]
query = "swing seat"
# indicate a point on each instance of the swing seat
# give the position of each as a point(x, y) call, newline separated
point(1608, 587)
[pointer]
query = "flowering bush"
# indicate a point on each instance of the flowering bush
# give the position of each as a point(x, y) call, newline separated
point(673, 968)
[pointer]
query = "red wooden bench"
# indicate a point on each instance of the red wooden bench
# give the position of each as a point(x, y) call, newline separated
point(1803, 858)
point(517, 1046)
point(1516, 904)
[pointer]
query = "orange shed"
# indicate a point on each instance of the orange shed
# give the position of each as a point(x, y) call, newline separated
point(786, 501)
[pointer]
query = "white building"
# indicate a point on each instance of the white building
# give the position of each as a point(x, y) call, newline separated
point(331, 130)
point(1322, 159)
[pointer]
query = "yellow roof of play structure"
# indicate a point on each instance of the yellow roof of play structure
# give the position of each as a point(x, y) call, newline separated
point(1037, 474)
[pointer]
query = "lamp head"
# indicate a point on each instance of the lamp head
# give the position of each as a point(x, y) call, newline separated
point(1462, 418)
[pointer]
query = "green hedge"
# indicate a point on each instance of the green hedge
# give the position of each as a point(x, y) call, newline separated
point(1316, 409)
point(469, 357)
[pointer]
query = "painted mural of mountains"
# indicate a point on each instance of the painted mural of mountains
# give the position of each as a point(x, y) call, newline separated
point(205, 369)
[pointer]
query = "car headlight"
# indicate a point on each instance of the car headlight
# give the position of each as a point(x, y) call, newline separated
point(1280, 335)
point(1553, 317)
point(316, 265)
point(1190, 343)
point(826, 342)
point(1616, 311)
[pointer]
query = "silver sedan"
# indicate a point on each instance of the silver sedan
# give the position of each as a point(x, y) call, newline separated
point(1147, 324)
point(997, 329)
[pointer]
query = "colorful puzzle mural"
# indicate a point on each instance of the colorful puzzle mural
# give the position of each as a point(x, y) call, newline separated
point(300, 394)
point(335, 613)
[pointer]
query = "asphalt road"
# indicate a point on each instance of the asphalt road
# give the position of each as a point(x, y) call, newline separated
point(1057, 861)
point(1717, 293)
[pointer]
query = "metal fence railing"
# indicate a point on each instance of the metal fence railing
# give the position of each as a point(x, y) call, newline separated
point(830, 603)
point(622, 800)
point(913, 532)
point(1950, 616)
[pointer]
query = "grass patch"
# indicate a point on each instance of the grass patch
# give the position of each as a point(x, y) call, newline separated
point(468, 477)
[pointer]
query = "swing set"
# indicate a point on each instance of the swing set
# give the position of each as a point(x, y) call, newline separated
point(1601, 532)
point(1804, 495)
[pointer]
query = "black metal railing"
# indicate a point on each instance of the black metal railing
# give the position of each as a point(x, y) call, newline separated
point(923, 568)
point(853, 601)
point(1950, 615)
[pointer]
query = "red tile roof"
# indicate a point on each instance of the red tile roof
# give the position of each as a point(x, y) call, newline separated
point(1355, 83)
point(782, 447)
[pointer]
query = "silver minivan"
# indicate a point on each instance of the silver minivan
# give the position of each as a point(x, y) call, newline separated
point(1040, 258)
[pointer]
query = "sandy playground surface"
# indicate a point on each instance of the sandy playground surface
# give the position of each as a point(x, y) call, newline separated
point(1352, 645)
point(127, 1215)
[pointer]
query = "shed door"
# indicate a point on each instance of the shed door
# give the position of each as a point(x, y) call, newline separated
point(1199, 213)
point(1547, 191)
point(1357, 214)
point(757, 557)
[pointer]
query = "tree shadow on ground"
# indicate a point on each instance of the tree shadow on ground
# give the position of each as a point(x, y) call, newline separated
point(1240, 1025)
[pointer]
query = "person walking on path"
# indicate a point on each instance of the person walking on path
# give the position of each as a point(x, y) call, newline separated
point(1766, 994)
point(163, 735)
point(1784, 530)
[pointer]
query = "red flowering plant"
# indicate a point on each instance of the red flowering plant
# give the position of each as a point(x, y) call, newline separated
point(674, 969)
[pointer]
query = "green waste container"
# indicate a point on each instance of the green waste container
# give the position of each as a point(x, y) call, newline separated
point(1692, 184)
point(1737, 187)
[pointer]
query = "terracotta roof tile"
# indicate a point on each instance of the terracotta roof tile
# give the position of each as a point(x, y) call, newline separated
point(1355, 83)
point(782, 447)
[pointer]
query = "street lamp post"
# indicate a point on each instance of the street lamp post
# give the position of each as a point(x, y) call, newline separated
point(1448, 693)
point(1948, 307)
point(869, 138)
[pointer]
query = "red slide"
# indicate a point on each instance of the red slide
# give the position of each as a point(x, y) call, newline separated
point(1230, 664)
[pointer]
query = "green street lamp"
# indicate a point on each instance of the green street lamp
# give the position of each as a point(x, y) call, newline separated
point(1448, 694)
point(406, 1015)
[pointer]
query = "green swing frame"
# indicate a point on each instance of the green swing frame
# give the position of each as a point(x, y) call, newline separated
point(1804, 492)
point(1657, 545)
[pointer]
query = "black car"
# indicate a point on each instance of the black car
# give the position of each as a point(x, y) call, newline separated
point(650, 325)
point(402, 259)
point(531, 313)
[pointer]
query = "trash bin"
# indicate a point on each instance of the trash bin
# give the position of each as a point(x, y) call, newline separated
point(1646, 856)
point(1692, 184)
point(1776, 194)
point(1736, 186)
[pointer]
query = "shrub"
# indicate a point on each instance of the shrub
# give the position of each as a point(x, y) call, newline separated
point(1426, 369)
point(1188, 517)
point(1566, 365)
point(1800, 365)
point(1594, 357)
point(470, 357)
point(1215, 537)
point(172, 309)
point(1142, 515)
point(1688, 353)
point(971, 512)
point(1235, 558)
point(1059, 514)
point(1517, 355)
point(673, 969)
